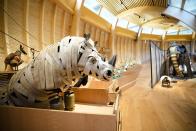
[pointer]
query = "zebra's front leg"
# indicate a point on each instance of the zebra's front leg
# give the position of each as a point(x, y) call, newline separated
point(56, 99)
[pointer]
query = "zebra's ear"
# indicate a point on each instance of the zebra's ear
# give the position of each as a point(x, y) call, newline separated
point(87, 36)
point(96, 43)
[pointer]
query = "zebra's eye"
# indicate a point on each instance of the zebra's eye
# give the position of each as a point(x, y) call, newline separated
point(93, 60)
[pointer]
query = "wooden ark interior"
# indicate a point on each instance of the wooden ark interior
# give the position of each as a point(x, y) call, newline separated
point(139, 32)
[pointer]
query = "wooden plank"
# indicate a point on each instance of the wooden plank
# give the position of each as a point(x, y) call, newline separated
point(7, 72)
point(63, 24)
point(23, 119)
point(54, 23)
point(42, 22)
point(5, 17)
point(99, 84)
point(93, 96)
point(26, 12)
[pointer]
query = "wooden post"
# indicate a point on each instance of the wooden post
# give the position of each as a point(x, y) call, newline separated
point(26, 11)
point(112, 40)
point(6, 27)
point(193, 43)
point(54, 24)
point(42, 24)
point(76, 18)
point(63, 24)
point(151, 64)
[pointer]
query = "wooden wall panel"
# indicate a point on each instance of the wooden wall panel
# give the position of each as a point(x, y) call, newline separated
point(106, 41)
point(87, 28)
point(35, 23)
point(118, 50)
point(81, 33)
point(124, 47)
point(102, 39)
point(127, 50)
point(3, 49)
point(17, 11)
point(134, 51)
point(122, 44)
point(2, 37)
point(68, 21)
point(97, 34)
point(34, 26)
point(130, 49)
point(115, 47)
point(93, 32)
point(58, 24)
point(48, 22)
point(144, 54)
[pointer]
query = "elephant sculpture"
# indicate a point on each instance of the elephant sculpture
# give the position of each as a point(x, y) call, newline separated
point(177, 62)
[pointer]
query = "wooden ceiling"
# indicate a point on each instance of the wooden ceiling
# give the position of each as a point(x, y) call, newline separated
point(119, 6)
point(142, 12)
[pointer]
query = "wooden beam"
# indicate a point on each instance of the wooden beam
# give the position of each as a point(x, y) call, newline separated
point(54, 23)
point(124, 32)
point(63, 24)
point(182, 15)
point(42, 23)
point(100, 10)
point(193, 35)
point(6, 27)
point(182, 4)
point(76, 18)
point(127, 25)
point(178, 37)
point(193, 43)
point(139, 32)
point(151, 20)
point(138, 9)
point(131, 49)
point(26, 11)
point(63, 4)
point(150, 37)
point(90, 17)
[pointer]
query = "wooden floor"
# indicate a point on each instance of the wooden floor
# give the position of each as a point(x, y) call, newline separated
point(158, 109)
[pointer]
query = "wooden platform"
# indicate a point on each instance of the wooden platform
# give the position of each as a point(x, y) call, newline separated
point(92, 113)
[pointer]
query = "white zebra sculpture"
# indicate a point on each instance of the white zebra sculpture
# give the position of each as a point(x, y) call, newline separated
point(54, 67)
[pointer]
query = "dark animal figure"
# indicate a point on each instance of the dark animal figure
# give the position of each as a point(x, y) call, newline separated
point(177, 57)
point(14, 59)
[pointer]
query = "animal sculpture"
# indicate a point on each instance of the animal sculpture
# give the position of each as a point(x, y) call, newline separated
point(165, 80)
point(178, 61)
point(14, 59)
point(57, 67)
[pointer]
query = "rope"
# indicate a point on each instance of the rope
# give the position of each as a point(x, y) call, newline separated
point(20, 25)
point(17, 40)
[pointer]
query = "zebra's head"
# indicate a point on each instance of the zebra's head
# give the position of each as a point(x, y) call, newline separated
point(92, 62)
